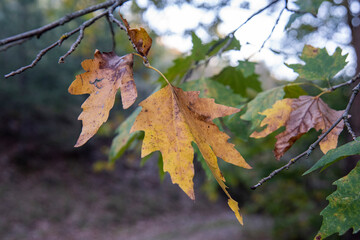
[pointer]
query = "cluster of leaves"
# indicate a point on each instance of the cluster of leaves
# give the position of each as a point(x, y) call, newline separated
point(173, 118)
point(179, 122)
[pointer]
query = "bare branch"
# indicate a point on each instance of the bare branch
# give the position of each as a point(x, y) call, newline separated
point(39, 31)
point(81, 35)
point(10, 45)
point(349, 128)
point(292, 10)
point(112, 32)
point(229, 37)
point(117, 22)
point(273, 29)
point(65, 36)
point(306, 153)
point(253, 15)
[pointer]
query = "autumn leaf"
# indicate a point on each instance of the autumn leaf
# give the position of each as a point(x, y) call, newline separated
point(104, 75)
point(343, 211)
point(261, 102)
point(298, 116)
point(172, 119)
point(139, 37)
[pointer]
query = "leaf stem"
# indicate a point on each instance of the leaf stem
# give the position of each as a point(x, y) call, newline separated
point(147, 64)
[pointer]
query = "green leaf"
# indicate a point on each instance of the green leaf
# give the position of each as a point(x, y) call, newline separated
point(343, 211)
point(319, 65)
point(334, 155)
point(202, 161)
point(261, 102)
point(247, 68)
point(309, 6)
point(216, 45)
point(292, 19)
point(160, 164)
point(211, 89)
point(305, 6)
point(293, 91)
point(177, 71)
point(239, 127)
point(235, 79)
point(199, 50)
point(123, 139)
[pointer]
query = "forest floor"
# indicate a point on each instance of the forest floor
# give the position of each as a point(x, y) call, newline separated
point(66, 199)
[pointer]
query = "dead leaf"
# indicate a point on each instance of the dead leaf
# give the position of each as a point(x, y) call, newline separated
point(104, 75)
point(299, 116)
point(172, 119)
point(139, 37)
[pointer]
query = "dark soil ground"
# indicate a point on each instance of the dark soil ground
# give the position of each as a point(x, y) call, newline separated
point(63, 198)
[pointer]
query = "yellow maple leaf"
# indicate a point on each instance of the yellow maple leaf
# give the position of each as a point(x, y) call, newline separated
point(298, 116)
point(104, 75)
point(172, 119)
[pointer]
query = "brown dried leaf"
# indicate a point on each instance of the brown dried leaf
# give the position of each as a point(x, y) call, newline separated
point(139, 37)
point(172, 119)
point(306, 112)
point(104, 75)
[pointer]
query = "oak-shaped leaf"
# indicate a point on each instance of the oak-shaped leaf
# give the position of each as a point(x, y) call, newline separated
point(172, 119)
point(343, 211)
point(298, 116)
point(139, 37)
point(104, 75)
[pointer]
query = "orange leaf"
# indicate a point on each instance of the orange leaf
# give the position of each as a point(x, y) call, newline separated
point(172, 119)
point(299, 116)
point(104, 75)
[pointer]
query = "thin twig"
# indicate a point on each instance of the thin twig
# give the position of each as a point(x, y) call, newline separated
point(81, 35)
point(253, 15)
point(10, 45)
point(117, 22)
point(112, 32)
point(292, 10)
point(39, 31)
point(352, 80)
point(226, 45)
point(230, 35)
point(62, 39)
point(349, 128)
point(42, 53)
point(273, 29)
point(306, 153)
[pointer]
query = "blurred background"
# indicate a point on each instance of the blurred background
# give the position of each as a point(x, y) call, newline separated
point(51, 190)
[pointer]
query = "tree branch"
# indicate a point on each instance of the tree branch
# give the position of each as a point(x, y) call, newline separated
point(272, 30)
point(253, 15)
point(112, 32)
point(65, 36)
point(67, 18)
point(81, 29)
point(306, 153)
